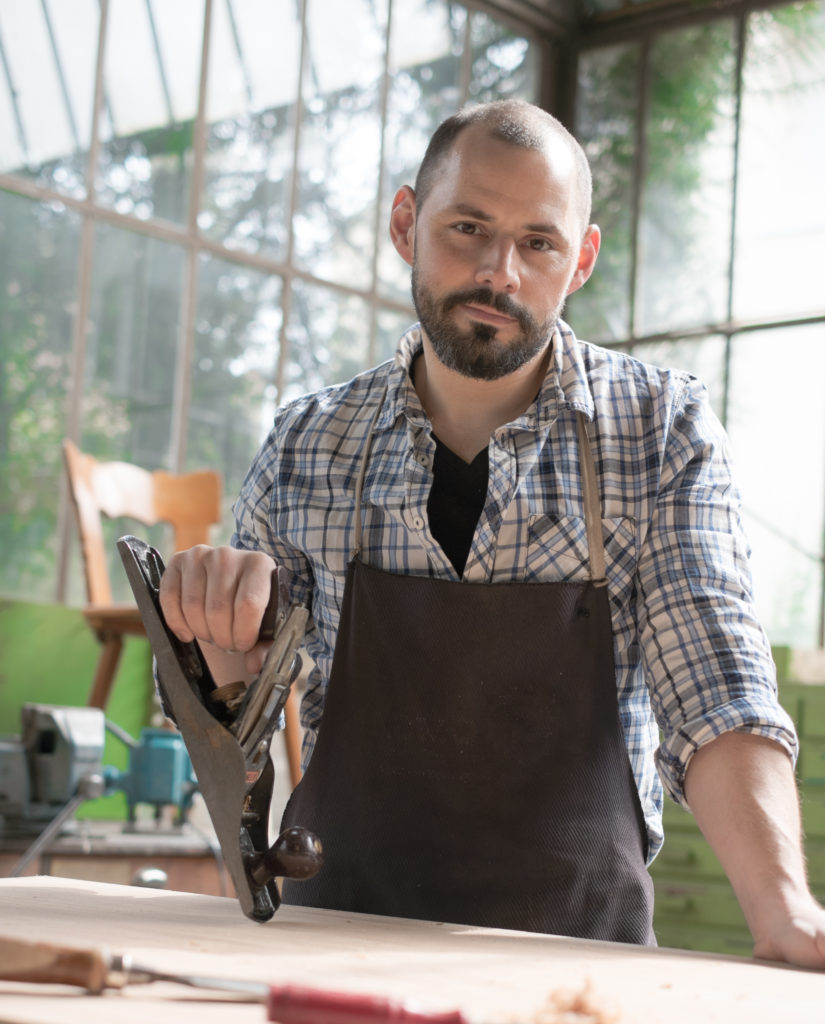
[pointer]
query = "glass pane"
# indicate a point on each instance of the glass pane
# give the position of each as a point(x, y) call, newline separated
point(390, 325)
point(37, 291)
point(704, 358)
point(780, 231)
point(130, 347)
point(684, 230)
point(776, 421)
point(253, 81)
point(426, 42)
point(787, 584)
point(328, 339)
point(233, 400)
point(340, 141)
point(605, 125)
point(45, 119)
point(128, 381)
point(152, 69)
point(504, 63)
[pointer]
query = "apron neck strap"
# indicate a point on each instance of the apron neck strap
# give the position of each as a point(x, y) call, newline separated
point(592, 505)
point(362, 473)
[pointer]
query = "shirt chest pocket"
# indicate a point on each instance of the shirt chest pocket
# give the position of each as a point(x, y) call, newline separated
point(557, 549)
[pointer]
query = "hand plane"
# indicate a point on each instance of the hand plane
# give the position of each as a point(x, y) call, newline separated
point(227, 731)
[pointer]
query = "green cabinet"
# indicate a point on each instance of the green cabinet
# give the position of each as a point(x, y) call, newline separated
point(695, 904)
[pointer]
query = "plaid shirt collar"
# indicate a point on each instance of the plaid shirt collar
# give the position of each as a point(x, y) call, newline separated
point(565, 385)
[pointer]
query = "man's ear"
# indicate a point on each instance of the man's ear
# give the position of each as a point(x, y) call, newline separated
point(402, 223)
point(587, 258)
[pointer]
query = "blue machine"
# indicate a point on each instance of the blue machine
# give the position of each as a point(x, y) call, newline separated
point(159, 773)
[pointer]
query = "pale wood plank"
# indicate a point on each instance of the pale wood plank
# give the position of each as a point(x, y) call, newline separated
point(491, 975)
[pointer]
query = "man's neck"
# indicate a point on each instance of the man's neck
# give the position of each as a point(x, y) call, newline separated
point(465, 412)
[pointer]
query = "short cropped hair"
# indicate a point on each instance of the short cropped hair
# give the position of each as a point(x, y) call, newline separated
point(513, 121)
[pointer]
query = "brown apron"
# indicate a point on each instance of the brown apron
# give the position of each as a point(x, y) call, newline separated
point(470, 764)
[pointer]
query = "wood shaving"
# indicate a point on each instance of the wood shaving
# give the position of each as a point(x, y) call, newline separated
point(582, 1007)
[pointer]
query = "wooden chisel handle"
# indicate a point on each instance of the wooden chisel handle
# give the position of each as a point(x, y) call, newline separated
point(41, 962)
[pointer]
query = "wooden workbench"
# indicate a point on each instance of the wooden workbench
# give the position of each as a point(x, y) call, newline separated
point(493, 976)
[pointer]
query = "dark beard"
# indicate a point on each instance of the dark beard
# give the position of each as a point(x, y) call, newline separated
point(477, 353)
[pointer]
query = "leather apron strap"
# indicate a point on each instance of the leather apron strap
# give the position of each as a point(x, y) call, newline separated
point(592, 505)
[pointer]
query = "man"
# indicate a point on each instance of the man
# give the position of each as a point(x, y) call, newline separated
point(523, 557)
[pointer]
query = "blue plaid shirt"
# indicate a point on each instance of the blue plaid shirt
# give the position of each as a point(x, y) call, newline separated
point(691, 659)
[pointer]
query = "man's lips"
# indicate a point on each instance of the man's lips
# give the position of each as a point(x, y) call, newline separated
point(487, 314)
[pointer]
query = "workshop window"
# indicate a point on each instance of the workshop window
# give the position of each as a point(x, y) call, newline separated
point(183, 250)
point(707, 140)
point(208, 240)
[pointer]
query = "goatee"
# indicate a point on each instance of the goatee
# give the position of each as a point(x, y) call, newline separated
point(477, 352)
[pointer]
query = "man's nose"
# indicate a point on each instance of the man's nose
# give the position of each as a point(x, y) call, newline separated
point(498, 266)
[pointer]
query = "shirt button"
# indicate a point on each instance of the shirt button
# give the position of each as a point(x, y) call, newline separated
point(418, 522)
point(423, 459)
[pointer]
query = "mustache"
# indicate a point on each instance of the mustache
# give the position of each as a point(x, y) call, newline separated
point(487, 297)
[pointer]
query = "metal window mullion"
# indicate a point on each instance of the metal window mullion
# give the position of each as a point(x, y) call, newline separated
point(639, 174)
point(15, 106)
point(378, 218)
point(723, 327)
point(84, 289)
point(87, 239)
point(737, 133)
point(61, 78)
point(465, 74)
point(182, 393)
point(236, 40)
point(164, 83)
point(549, 23)
point(288, 278)
point(820, 632)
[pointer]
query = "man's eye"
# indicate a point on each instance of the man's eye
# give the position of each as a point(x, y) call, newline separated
point(540, 244)
point(466, 228)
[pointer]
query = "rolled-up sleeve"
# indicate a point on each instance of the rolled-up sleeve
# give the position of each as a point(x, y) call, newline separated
point(706, 656)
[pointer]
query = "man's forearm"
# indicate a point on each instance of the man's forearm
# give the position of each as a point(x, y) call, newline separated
point(742, 792)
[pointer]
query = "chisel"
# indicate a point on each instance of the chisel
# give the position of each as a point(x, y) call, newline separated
point(43, 963)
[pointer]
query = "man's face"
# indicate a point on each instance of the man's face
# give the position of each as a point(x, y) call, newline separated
point(496, 247)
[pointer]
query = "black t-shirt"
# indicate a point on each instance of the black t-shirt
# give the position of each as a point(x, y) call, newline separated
point(456, 500)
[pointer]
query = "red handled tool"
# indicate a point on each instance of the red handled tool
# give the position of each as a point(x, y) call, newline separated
point(291, 1005)
point(43, 963)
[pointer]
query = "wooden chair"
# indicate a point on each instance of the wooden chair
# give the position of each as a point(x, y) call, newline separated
point(189, 503)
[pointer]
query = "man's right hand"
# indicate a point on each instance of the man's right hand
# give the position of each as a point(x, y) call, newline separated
point(218, 596)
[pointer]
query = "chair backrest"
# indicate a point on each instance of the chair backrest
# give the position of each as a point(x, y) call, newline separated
point(190, 503)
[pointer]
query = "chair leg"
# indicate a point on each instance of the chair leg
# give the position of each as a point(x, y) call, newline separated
point(292, 739)
point(105, 672)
